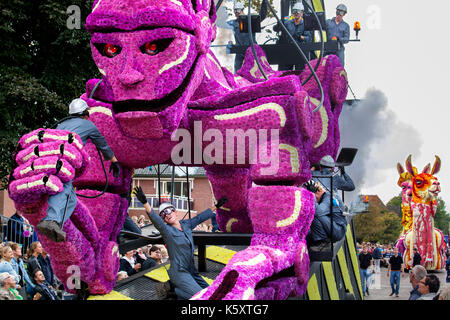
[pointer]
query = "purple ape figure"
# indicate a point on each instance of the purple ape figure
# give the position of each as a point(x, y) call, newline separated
point(161, 83)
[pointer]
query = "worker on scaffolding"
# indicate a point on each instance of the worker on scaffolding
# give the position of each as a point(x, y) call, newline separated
point(241, 38)
point(177, 235)
point(338, 29)
point(62, 205)
point(296, 28)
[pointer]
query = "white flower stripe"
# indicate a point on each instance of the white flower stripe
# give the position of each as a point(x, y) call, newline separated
point(268, 106)
point(180, 59)
point(297, 207)
point(252, 262)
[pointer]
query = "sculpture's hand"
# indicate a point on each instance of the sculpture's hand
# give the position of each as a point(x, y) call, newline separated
point(47, 159)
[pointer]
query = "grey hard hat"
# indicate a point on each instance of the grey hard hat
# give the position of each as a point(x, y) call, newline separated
point(298, 6)
point(327, 161)
point(77, 106)
point(165, 205)
point(342, 7)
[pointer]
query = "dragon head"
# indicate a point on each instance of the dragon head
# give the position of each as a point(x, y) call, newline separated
point(149, 53)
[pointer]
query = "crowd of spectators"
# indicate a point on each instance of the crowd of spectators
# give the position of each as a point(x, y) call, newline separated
point(425, 285)
point(144, 258)
point(27, 276)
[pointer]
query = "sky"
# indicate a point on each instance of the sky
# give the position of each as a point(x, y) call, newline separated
point(400, 68)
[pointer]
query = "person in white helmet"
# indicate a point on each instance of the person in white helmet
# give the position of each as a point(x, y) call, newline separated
point(243, 39)
point(77, 122)
point(296, 28)
point(177, 235)
point(338, 29)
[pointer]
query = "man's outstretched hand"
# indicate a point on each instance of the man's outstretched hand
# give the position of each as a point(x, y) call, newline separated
point(140, 195)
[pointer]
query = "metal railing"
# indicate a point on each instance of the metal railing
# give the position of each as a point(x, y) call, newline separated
point(180, 203)
point(13, 230)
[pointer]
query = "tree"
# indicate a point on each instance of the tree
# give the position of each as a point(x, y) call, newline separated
point(44, 64)
point(442, 217)
point(377, 225)
point(395, 205)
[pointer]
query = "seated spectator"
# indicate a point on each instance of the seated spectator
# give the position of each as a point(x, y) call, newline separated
point(33, 253)
point(46, 268)
point(141, 221)
point(128, 263)
point(7, 285)
point(319, 234)
point(155, 254)
point(121, 275)
point(6, 264)
point(141, 258)
point(18, 265)
point(429, 287)
point(164, 253)
point(44, 291)
point(417, 274)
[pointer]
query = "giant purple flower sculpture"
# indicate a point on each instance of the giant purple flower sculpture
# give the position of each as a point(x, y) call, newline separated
point(162, 84)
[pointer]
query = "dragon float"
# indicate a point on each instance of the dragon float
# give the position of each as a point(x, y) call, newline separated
point(160, 81)
point(419, 205)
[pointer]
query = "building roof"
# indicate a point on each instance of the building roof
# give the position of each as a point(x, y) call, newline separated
point(166, 171)
point(374, 200)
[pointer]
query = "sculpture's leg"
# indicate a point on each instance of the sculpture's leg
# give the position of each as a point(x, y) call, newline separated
point(232, 183)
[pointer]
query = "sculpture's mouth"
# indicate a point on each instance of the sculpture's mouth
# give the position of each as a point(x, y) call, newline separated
point(155, 105)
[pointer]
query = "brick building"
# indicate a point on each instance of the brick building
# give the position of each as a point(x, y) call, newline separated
point(200, 192)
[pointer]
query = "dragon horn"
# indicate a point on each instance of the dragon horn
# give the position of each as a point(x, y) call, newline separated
point(409, 166)
point(436, 166)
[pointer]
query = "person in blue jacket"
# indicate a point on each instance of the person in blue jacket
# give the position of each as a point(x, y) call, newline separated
point(18, 265)
point(241, 38)
point(177, 235)
point(296, 28)
point(338, 29)
point(52, 224)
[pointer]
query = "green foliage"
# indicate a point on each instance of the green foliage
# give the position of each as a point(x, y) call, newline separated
point(395, 205)
point(44, 65)
point(442, 217)
point(377, 225)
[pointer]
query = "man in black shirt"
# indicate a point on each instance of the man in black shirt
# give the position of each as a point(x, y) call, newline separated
point(365, 261)
point(396, 267)
point(417, 258)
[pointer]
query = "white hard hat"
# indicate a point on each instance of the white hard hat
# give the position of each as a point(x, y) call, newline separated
point(165, 205)
point(238, 6)
point(327, 161)
point(77, 106)
point(342, 7)
point(298, 6)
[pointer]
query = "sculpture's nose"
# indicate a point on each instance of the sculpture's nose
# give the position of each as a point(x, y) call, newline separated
point(130, 76)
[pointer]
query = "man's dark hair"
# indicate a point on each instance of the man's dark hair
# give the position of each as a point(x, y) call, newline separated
point(432, 282)
point(154, 248)
point(36, 271)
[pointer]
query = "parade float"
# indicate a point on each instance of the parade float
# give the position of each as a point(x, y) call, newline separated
point(419, 205)
point(160, 84)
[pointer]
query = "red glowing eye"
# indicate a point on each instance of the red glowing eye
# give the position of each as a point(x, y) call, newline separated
point(110, 50)
point(151, 48)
